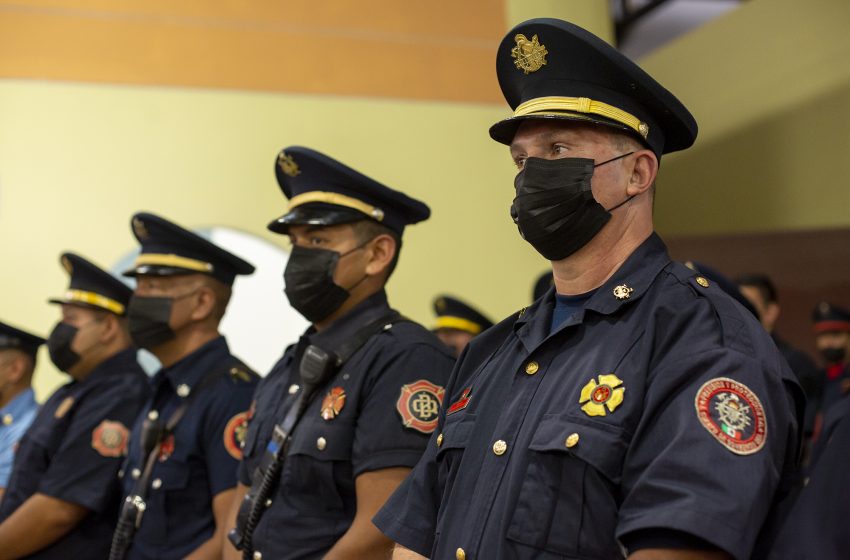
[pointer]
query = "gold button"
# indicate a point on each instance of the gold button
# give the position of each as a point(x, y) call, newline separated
point(460, 554)
point(701, 280)
point(500, 447)
point(7, 419)
point(136, 473)
point(439, 440)
point(153, 415)
point(321, 443)
point(572, 440)
point(531, 368)
point(258, 555)
point(183, 390)
point(293, 389)
point(156, 484)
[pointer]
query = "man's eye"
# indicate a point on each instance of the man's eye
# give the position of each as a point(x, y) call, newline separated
point(317, 241)
point(559, 149)
point(519, 162)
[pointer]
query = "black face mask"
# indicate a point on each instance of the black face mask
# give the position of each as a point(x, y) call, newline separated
point(309, 282)
point(59, 346)
point(554, 207)
point(833, 355)
point(148, 320)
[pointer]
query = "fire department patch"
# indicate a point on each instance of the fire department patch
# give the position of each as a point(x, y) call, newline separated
point(732, 414)
point(110, 439)
point(332, 403)
point(234, 435)
point(166, 448)
point(419, 405)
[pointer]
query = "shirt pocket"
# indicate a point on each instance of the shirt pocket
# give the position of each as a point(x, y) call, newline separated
point(568, 500)
point(318, 472)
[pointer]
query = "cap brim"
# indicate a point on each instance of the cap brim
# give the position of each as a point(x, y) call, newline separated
point(316, 215)
point(151, 270)
point(505, 130)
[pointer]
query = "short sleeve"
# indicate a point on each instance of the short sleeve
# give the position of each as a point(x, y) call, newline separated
point(400, 408)
point(225, 428)
point(84, 469)
point(718, 430)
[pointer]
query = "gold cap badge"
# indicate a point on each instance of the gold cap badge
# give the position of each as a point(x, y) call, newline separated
point(530, 56)
point(287, 164)
point(66, 263)
point(139, 228)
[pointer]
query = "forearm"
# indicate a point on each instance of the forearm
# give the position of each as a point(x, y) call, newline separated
point(669, 554)
point(361, 541)
point(37, 523)
point(210, 550)
point(401, 553)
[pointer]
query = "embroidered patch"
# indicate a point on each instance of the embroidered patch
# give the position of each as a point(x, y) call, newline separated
point(234, 435)
point(461, 403)
point(419, 405)
point(597, 399)
point(110, 439)
point(63, 407)
point(333, 403)
point(732, 414)
point(166, 448)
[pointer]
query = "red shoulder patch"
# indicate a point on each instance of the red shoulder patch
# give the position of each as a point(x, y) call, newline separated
point(110, 438)
point(419, 405)
point(234, 434)
point(733, 414)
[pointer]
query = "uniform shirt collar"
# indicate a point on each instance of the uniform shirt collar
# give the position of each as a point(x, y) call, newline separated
point(18, 406)
point(631, 281)
point(368, 310)
point(190, 369)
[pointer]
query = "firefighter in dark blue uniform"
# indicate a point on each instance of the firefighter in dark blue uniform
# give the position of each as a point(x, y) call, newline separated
point(457, 322)
point(366, 420)
point(635, 409)
point(190, 431)
point(63, 496)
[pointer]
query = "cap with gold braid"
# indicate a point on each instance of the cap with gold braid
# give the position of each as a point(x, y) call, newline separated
point(170, 250)
point(552, 69)
point(323, 192)
point(14, 338)
point(455, 314)
point(91, 286)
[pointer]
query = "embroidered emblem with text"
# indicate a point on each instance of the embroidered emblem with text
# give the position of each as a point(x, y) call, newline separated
point(733, 414)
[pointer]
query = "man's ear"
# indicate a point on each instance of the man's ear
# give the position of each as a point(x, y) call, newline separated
point(381, 253)
point(771, 313)
point(205, 301)
point(112, 327)
point(644, 171)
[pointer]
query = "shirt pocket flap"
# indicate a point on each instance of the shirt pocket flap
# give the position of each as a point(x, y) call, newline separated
point(456, 432)
point(601, 446)
point(172, 475)
point(325, 441)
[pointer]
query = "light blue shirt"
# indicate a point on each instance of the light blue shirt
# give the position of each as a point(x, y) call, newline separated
point(15, 418)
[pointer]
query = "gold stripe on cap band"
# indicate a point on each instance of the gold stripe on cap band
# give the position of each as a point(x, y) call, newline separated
point(156, 259)
point(94, 299)
point(459, 323)
point(582, 105)
point(339, 200)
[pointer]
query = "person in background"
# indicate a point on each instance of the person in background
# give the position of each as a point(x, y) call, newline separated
point(63, 496)
point(18, 408)
point(831, 325)
point(457, 323)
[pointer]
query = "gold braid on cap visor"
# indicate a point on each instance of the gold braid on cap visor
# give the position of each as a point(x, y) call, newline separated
point(549, 106)
point(338, 200)
point(459, 323)
point(96, 300)
point(176, 261)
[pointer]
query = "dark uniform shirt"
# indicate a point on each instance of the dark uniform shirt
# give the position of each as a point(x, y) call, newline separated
point(73, 450)
point(355, 424)
point(200, 459)
point(663, 405)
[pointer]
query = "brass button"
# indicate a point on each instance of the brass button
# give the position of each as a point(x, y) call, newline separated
point(156, 484)
point(293, 389)
point(500, 447)
point(269, 503)
point(439, 440)
point(572, 440)
point(321, 443)
point(531, 368)
point(136, 473)
point(183, 390)
point(460, 554)
point(8, 419)
point(258, 555)
point(153, 415)
point(702, 281)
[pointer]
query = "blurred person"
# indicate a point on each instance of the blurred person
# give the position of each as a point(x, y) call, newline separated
point(457, 323)
point(831, 325)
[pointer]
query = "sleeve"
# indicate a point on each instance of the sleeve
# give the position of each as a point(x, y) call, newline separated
point(225, 429)
point(401, 408)
point(8, 439)
point(84, 469)
point(716, 437)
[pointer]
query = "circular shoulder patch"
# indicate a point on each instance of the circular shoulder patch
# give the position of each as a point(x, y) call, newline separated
point(732, 414)
point(419, 405)
point(234, 435)
point(110, 439)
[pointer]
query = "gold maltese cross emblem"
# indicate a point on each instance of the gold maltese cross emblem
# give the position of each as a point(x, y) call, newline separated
point(529, 55)
point(602, 395)
point(287, 164)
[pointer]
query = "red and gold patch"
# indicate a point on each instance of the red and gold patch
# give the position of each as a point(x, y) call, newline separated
point(234, 435)
point(333, 403)
point(110, 438)
point(733, 414)
point(166, 448)
point(461, 403)
point(419, 405)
